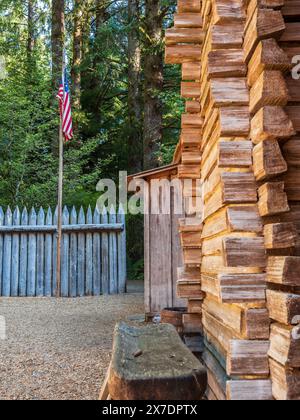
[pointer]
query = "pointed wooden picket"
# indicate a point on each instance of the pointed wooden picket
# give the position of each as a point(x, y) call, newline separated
point(89, 256)
point(81, 255)
point(104, 255)
point(15, 255)
point(73, 256)
point(113, 260)
point(96, 256)
point(48, 256)
point(122, 261)
point(40, 256)
point(7, 255)
point(65, 260)
point(31, 269)
point(23, 256)
point(1, 250)
point(54, 255)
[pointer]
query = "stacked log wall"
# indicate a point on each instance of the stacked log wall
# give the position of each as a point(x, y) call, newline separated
point(243, 119)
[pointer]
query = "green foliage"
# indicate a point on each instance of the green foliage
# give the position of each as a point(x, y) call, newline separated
point(29, 112)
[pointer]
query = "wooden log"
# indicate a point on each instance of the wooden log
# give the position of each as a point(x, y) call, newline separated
point(285, 383)
point(248, 358)
point(269, 89)
point(190, 90)
point(229, 92)
point(294, 114)
point(135, 378)
point(270, 123)
point(294, 89)
point(230, 315)
point(195, 305)
point(31, 265)
point(23, 254)
point(189, 274)
point(191, 137)
point(178, 54)
point(291, 151)
point(244, 252)
point(65, 265)
point(188, 20)
point(73, 257)
point(15, 264)
point(291, 9)
point(88, 257)
point(122, 254)
point(284, 271)
point(235, 154)
point(113, 255)
point(268, 160)
point(250, 390)
point(97, 253)
point(225, 11)
point(242, 288)
point(191, 71)
point(216, 375)
point(263, 25)
point(184, 36)
point(292, 32)
point(81, 256)
point(272, 199)
point(189, 6)
point(233, 219)
point(284, 346)
point(226, 63)
point(244, 219)
point(235, 121)
point(191, 157)
point(291, 182)
point(280, 235)
point(191, 121)
point(238, 188)
point(192, 107)
point(189, 171)
point(257, 324)
point(190, 239)
point(48, 256)
point(267, 56)
point(40, 257)
point(105, 255)
point(227, 36)
point(283, 307)
point(192, 257)
point(192, 324)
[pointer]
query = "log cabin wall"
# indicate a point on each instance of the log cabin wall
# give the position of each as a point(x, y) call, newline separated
point(240, 135)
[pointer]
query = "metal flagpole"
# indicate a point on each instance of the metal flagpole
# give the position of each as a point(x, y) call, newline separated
point(60, 195)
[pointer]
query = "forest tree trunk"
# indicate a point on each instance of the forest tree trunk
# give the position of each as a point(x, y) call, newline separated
point(57, 39)
point(135, 138)
point(77, 52)
point(153, 118)
point(31, 26)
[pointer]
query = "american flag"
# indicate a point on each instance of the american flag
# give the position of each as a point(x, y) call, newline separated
point(65, 107)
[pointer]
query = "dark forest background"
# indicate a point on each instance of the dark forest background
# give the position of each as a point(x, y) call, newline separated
point(126, 102)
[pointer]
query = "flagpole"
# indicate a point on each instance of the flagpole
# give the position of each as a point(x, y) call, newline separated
point(59, 209)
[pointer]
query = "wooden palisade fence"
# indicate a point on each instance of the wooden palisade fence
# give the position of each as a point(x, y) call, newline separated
point(93, 253)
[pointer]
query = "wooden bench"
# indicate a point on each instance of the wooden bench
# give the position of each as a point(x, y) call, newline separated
point(152, 363)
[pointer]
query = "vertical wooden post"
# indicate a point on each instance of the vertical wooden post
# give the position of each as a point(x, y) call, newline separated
point(59, 210)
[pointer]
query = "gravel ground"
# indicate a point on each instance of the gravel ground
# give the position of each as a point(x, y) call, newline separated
point(60, 349)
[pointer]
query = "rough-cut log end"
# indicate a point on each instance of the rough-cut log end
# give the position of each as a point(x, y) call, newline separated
point(152, 363)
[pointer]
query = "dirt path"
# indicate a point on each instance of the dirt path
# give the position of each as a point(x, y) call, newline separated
point(59, 349)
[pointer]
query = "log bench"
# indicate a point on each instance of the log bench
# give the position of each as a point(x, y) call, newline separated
point(152, 363)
